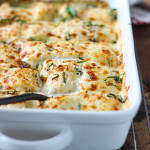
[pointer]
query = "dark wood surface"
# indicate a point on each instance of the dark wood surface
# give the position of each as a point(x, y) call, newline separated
point(142, 43)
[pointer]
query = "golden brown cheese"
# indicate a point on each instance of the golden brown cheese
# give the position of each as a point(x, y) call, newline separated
point(94, 78)
point(69, 51)
point(10, 33)
point(87, 30)
point(34, 12)
point(8, 53)
point(20, 79)
point(34, 52)
point(84, 101)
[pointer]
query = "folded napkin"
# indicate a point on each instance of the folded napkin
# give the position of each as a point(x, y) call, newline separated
point(139, 15)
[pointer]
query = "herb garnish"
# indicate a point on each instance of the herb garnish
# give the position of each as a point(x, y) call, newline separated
point(5, 21)
point(12, 66)
point(71, 11)
point(49, 42)
point(19, 48)
point(8, 92)
point(4, 42)
point(118, 97)
point(65, 19)
point(108, 62)
point(114, 42)
point(40, 40)
point(52, 64)
point(82, 61)
point(101, 25)
point(89, 23)
point(113, 14)
point(61, 18)
point(6, 77)
point(91, 5)
point(56, 76)
point(64, 77)
point(116, 78)
point(86, 91)
point(25, 65)
point(31, 39)
point(37, 66)
point(21, 21)
point(80, 57)
point(79, 106)
point(79, 71)
point(42, 79)
point(1, 87)
point(50, 49)
point(67, 36)
point(36, 75)
point(111, 84)
point(94, 38)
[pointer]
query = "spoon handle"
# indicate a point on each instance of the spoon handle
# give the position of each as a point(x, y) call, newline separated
point(21, 98)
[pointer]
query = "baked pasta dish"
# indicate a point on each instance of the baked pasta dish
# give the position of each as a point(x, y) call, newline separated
point(69, 51)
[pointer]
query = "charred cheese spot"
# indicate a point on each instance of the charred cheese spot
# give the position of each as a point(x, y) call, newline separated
point(105, 72)
point(93, 87)
point(92, 75)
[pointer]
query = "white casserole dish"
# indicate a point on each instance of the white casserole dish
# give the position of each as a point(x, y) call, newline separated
point(87, 130)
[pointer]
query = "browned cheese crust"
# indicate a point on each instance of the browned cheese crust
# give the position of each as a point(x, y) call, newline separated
point(70, 51)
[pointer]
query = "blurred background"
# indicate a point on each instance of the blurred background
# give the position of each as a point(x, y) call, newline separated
point(139, 135)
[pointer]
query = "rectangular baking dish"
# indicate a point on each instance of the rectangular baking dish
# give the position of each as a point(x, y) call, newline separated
point(92, 130)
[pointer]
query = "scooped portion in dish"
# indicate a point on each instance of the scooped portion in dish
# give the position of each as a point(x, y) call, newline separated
point(69, 51)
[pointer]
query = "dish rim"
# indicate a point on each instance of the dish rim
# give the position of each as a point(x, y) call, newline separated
point(133, 108)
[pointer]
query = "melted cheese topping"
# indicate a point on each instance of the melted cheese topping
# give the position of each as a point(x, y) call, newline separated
point(20, 79)
point(71, 52)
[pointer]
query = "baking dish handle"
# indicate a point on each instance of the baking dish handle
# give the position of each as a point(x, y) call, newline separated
point(57, 142)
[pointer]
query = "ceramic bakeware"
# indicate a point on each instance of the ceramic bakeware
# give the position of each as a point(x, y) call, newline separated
point(34, 129)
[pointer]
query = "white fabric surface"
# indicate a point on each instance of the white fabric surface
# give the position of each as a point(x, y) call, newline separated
point(138, 15)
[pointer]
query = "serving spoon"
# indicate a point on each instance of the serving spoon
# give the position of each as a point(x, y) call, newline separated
point(22, 98)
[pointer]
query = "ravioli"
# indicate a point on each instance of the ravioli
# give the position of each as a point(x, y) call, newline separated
point(70, 51)
point(60, 77)
point(20, 79)
point(34, 52)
